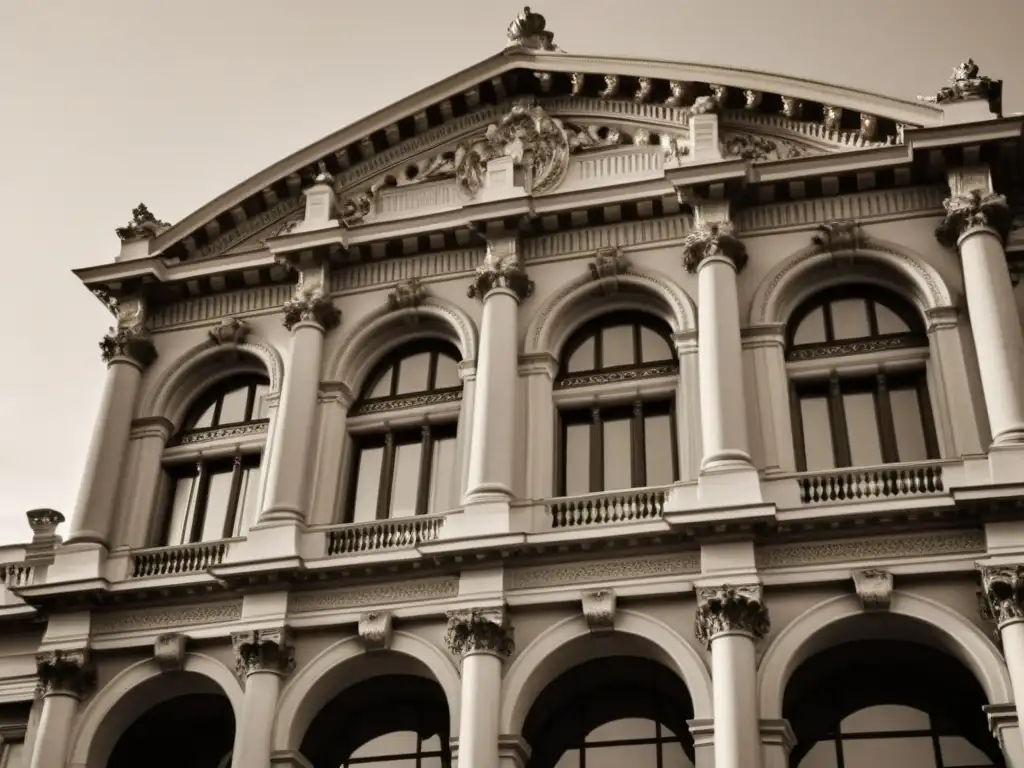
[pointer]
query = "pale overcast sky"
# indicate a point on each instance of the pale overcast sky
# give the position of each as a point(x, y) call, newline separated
point(106, 103)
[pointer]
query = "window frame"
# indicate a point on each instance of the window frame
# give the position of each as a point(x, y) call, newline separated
point(391, 362)
point(593, 329)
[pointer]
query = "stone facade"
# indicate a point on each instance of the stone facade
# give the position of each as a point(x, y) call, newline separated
point(506, 409)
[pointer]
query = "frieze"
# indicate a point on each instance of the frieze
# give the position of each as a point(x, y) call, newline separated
point(875, 548)
point(400, 403)
point(220, 433)
point(762, 148)
point(610, 377)
point(249, 227)
point(373, 594)
point(160, 618)
point(850, 348)
point(604, 571)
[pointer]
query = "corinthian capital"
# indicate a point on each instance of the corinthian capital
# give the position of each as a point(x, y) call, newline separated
point(479, 631)
point(64, 672)
point(311, 301)
point(710, 239)
point(1002, 593)
point(730, 609)
point(263, 650)
point(129, 339)
point(971, 211)
point(501, 269)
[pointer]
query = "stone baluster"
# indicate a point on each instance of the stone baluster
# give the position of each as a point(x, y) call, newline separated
point(730, 620)
point(262, 658)
point(1002, 602)
point(483, 638)
point(976, 225)
point(64, 677)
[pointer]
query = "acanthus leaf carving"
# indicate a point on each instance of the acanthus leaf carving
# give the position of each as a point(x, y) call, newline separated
point(760, 148)
point(263, 650)
point(1001, 598)
point(975, 210)
point(311, 300)
point(64, 672)
point(713, 239)
point(479, 630)
point(502, 268)
point(730, 609)
point(874, 588)
point(130, 338)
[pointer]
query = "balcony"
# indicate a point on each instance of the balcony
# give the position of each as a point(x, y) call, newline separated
point(174, 561)
point(864, 484)
point(634, 505)
point(382, 535)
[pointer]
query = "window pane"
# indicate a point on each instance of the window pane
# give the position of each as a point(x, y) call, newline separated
point(916, 751)
point(442, 476)
point(397, 743)
point(906, 419)
point(232, 408)
point(259, 402)
point(627, 729)
point(405, 482)
point(818, 453)
point(381, 387)
point(658, 449)
point(431, 744)
point(217, 513)
point(205, 418)
point(616, 757)
point(958, 751)
point(653, 348)
point(570, 759)
point(181, 505)
point(583, 358)
point(672, 754)
point(577, 459)
point(850, 319)
point(811, 329)
point(885, 717)
point(617, 454)
point(371, 462)
point(248, 500)
point(617, 346)
point(821, 755)
point(862, 427)
point(889, 321)
point(413, 372)
point(447, 373)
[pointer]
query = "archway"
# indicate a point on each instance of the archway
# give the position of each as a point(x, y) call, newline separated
point(197, 730)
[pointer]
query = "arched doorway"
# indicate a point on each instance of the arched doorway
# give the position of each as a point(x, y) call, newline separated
point(194, 729)
point(879, 703)
point(390, 721)
point(615, 711)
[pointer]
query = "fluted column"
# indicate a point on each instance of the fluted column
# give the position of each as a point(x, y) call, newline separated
point(483, 638)
point(730, 620)
point(127, 350)
point(501, 283)
point(262, 658)
point(64, 678)
point(976, 225)
point(1002, 601)
point(308, 315)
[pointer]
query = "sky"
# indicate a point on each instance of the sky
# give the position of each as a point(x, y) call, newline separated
point(106, 103)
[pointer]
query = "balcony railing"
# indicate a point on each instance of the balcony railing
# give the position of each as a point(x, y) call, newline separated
point(383, 535)
point(15, 575)
point(869, 483)
point(170, 561)
point(632, 505)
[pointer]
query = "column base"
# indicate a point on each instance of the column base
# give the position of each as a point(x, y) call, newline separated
point(282, 515)
point(703, 732)
point(1006, 463)
point(480, 518)
point(78, 562)
point(273, 543)
point(777, 741)
point(485, 493)
point(728, 481)
point(1012, 436)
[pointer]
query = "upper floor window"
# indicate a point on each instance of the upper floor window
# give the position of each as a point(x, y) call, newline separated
point(213, 466)
point(398, 471)
point(858, 359)
point(626, 439)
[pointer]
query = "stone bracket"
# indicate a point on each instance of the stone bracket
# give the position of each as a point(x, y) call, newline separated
point(375, 630)
point(874, 588)
point(599, 609)
point(169, 651)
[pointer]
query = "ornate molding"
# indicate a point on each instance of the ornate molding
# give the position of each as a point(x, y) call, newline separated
point(386, 405)
point(407, 294)
point(603, 571)
point(64, 672)
point(1002, 593)
point(143, 226)
point(599, 609)
point(230, 331)
point(975, 210)
point(169, 651)
point(632, 374)
point(608, 262)
point(840, 235)
point(311, 301)
point(374, 595)
point(713, 239)
point(730, 609)
point(966, 83)
point(529, 30)
point(502, 268)
point(875, 548)
point(129, 339)
point(476, 630)
point(165, 618)
point(219, 433)
point(874, 588)
point(375, 630)
point(263, 650)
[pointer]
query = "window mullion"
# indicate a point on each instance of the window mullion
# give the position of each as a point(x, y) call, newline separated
point(236, 486)
point(596, 451)
point(423, 490)
point(886, 427)
point(387, 473)
point(198, 511)
point(638, 457)
point(796, 416)
point(673, 439)
point(837, 415)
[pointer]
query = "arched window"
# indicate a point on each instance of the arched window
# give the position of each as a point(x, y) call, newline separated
point(406, 465)
point(213, 463)
point(857, 359)
point(615, 397)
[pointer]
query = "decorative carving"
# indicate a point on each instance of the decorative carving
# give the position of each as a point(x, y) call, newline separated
point(752, 99)
point(44, 522)
point(730, 609)
point(599, 609)
point(966, 83)
point(324, 176)
point(713, 239)
point(833, 118)
point(528, 30)
point(230, 331)
point(840, 235)
point(608, 262)
point(604, 571)
point(144, 225)
point(974, 210)
point(311, 302)
point(526, 133)
point(356, 208)
point(219, 433)
point(66, 672)
point(759, 148)
point(874, 588)
point(479, 631)
point(374, 594)
point(263, 650)
point(1001, 598)
point(406, 294)
point(130, 338)
point(169, 651)
point(641, 137)
point(677, 93)
point(611, 87)
point(792, 107)
point(719, 95)
point(375, 630)
point(673, 149)
point(577, 79)
point(501, 269)
point(704, 105)
point(868, 126)
point(643, 90)
point(591, 137)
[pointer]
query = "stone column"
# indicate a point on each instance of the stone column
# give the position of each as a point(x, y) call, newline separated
point(467, 374)
point(262, 658)
point(976, 224)
point(64, 678)
point(688, 415)
point(539, 371)
point(765, 346)
point(501, 283)
point(1002, 601)
point(730, 620)
point(127, 350)
point(483, 638)
point(142, 518)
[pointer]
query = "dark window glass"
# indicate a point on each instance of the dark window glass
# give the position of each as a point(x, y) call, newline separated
point(211, 500)
point(237, 400)
point(411, 370)
point(630, 344)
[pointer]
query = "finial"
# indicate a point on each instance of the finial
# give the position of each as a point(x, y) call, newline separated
point(527, 30)
point(966, 83)
point(143, 225)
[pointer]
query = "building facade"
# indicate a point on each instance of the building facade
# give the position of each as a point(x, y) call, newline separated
point(572, 412)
